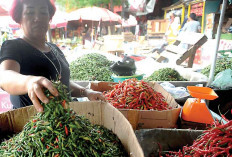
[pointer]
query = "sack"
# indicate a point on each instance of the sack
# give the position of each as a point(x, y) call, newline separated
point(223, 80)
point(124, 68)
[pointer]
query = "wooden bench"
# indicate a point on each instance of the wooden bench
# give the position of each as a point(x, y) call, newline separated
point(183, 48)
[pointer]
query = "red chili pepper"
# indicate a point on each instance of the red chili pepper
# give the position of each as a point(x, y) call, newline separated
point(60, 125)
point(223, 117)
point(130, 93)
point(51, 97)
point(57, 155)
point(57, 140)
point(66, 130)
point(216, 141)
point(34, 120)
point(63, 103)
point(34, 126)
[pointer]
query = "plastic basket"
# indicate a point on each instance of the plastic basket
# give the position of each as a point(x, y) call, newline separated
point(122, 78)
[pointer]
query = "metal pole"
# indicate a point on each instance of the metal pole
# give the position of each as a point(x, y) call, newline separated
point(212, 69)
point(49, 35)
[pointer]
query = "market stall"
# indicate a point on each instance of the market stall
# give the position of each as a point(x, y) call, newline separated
point(159, 109)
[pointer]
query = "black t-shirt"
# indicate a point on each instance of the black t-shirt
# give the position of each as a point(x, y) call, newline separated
point(33, 62)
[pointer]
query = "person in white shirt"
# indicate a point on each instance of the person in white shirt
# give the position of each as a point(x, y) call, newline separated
point(192, 25)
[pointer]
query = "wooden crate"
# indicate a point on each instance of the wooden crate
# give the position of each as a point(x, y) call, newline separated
point(157, 26)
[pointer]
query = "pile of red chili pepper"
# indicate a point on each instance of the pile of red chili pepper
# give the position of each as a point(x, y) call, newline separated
point(214, 142)
point(59, 131)
point(134, 94)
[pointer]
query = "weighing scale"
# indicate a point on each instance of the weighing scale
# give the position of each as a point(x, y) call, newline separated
point(195, 109)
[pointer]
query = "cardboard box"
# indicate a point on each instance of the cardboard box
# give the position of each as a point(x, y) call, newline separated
point(169, 139)
point(97, 112)
point(141, 119)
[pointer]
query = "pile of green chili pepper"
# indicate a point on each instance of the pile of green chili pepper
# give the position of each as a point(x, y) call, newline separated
point(165, 74)
point(134, 94)
point(221, 65)
point(214, 142)
point(59, 131)
point(91, 67)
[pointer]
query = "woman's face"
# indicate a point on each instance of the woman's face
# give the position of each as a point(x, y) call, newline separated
point(35, 18)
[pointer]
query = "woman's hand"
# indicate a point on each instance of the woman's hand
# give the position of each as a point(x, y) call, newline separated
point(94, 95)
point(35, 86)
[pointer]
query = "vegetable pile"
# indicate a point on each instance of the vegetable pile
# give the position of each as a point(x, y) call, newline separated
point(134, 94)
point(165, 74)
point(221, 65)
point(214, 142)
point(91, 67)
point(58, 131)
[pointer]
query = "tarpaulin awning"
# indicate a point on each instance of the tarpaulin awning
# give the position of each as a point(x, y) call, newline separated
point(7, 21)
point(94, 14)
point(59, 20)
point(3, 11)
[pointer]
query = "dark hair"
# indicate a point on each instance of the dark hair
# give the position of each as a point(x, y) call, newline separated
point(193, 16)
point(17, 8)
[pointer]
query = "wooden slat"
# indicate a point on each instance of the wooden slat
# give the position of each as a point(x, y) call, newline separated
point(176, 49)
point(190, 37)
point(172, 57)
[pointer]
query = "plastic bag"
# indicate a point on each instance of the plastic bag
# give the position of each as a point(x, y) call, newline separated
point(125, 68)
point(223, 80)
point(176, 92)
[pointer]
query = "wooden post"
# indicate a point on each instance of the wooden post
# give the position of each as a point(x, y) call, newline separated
point(112, 28)
point(122, 13)
point(189, 10)
point(203, 18)
point(182, 15)
point(49, 35)
point(191, 58)
point(109, 30)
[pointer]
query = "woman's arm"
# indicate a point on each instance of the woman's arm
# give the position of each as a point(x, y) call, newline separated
point(79, 91)
point(17, 84)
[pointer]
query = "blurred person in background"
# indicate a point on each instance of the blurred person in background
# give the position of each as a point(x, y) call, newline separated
point(192, 25)
point(173, 28)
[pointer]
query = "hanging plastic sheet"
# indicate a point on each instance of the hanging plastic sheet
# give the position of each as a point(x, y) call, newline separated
point(137, 5)
point(141, 7)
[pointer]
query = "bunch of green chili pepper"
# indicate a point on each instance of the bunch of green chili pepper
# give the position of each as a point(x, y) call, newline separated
point(165, 74)
point(59, 131)
point(91, 67)
point(221, 65)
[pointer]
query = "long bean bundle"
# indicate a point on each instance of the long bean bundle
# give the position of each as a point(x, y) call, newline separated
point(59, 131)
